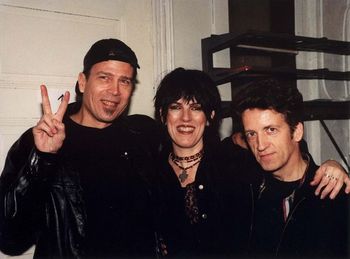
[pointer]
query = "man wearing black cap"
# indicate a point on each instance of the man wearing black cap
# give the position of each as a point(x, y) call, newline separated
point(78, 184)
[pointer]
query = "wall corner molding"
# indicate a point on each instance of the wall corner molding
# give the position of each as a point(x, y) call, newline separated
point(163, 38)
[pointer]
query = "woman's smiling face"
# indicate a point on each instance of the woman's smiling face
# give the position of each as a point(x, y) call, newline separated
point(186, 123)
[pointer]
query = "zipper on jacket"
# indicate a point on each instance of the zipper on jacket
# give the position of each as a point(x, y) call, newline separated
point(252, 213)
point(286, 225)
point(262, 188)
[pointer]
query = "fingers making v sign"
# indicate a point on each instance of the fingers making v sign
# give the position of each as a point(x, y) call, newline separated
point(49, 133)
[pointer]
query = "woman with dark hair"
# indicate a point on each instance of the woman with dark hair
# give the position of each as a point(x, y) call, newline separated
point(192, 86)
point(187, 103)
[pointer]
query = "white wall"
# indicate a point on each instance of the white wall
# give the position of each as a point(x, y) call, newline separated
point(325, 18)
point(194, 20)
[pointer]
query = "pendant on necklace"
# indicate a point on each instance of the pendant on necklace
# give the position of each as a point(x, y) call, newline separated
point(183, 176)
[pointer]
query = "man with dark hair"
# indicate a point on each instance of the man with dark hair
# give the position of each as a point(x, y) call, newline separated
point(78, 184)
point(288, 219)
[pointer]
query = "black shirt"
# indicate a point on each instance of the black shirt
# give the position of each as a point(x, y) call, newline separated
point(116, 184)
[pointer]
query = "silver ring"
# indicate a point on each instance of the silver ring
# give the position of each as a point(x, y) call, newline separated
point(331, 177)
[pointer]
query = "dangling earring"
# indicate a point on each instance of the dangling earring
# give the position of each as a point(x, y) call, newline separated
point(207, 124)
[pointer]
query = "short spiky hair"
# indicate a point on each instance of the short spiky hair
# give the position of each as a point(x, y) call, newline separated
point(190, 85)
point(275, 94)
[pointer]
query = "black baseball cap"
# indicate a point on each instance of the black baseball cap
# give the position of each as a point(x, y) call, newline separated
point(108, 49)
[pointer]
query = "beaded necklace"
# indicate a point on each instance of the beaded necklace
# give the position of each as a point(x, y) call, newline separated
point(196, 158)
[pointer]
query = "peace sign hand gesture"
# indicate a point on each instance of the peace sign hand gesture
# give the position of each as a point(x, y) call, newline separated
point(49, 133)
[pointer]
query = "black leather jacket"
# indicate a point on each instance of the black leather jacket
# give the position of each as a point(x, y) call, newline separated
point(314, 228)
point(30, 185)
point(41, 200)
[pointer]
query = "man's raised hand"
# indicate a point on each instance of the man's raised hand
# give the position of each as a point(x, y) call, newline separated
point(49, 133)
